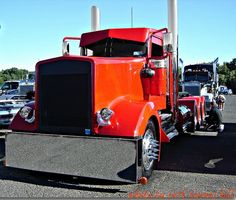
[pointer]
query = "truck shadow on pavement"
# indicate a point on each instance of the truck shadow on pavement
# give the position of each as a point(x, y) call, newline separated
point(55, 180)
point(2, 148)
point(213, 154)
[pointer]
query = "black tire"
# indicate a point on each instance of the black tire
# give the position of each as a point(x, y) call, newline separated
point(147, 171)
point(198, 127)
point(194, 125)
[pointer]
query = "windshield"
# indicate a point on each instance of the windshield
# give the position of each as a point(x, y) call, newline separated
point(197, 77)
point(111, 47)
point(200, 78)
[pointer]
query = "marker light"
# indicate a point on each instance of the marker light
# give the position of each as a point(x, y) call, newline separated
point(103, 116)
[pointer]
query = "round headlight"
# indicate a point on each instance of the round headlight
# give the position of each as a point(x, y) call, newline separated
point(28, 114)
point(25, 111)
point(106, 114)
point(103, 117)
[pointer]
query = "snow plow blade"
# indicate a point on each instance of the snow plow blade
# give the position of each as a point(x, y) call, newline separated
point(105, 158)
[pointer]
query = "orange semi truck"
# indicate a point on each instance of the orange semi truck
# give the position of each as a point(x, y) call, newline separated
point(106, 112)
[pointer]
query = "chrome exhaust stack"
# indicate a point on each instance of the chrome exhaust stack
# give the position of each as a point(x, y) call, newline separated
point(95, 18)
point(173, 28)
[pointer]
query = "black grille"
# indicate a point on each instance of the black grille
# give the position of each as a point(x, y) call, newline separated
point(65, 100)
point(193, 90)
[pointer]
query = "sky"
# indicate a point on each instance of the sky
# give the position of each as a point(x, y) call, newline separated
point(32, 30)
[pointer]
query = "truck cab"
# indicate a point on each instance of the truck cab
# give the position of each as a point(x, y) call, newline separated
point(124, 102)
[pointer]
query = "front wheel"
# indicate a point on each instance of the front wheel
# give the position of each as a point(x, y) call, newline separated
point(150, 149)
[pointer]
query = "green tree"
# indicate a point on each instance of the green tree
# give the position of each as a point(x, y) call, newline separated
point(227, 74)
point(12, 74)
point(232, 65)
point(223, 74)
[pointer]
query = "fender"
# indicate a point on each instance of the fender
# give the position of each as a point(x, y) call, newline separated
point(197, 105)
point(190, 103)
point(130, 118)
point(19, 124)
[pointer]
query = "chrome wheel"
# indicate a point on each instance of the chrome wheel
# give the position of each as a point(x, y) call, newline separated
point(150, 149)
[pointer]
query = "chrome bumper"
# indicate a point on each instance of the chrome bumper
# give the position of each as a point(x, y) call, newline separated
point(95, 157)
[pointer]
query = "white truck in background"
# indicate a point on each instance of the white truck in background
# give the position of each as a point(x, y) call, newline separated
point(13, 96)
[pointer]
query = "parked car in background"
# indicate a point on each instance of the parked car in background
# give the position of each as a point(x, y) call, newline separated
point(22, 86)
point(230, 92)
point(224, 90)
point(8, 86)
point(227, 91)
point(9, 94)
point(13, 96)
point(20, 93)
point(8, 110)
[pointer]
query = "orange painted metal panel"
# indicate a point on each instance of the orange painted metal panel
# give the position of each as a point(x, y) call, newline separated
point(130, 118)
point(121, 90)
point(116, 78)
point(158, 82)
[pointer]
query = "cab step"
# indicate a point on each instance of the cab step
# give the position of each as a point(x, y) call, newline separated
point(165, 116)
point(172, 134)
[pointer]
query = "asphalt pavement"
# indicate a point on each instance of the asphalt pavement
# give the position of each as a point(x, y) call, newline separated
point(202, 165)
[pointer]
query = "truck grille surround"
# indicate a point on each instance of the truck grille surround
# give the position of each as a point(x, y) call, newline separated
point(193, 90)
point(65, 97)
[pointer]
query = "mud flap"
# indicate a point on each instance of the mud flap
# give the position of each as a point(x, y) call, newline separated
point(95, 157)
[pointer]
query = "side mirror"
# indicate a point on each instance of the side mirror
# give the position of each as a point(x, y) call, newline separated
point(167, 42)
point(65, 48)
point(65, 45)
